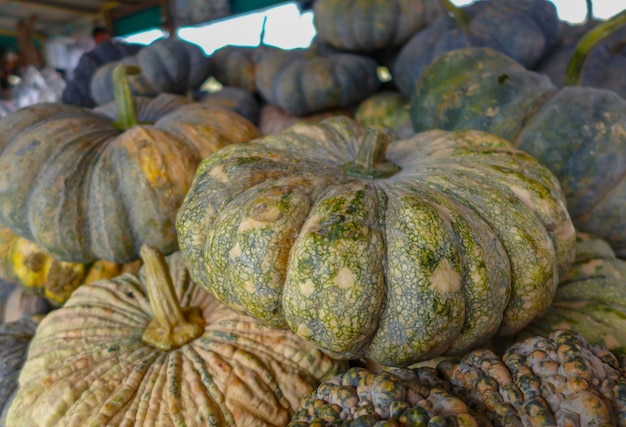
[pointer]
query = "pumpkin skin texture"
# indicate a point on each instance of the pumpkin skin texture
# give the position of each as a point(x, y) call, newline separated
point(15, 338)
point(410, 397)
point(228, 370)
point(521, 29)
point(362, 26)
point(578, 132)
point(302, 82)
point(284, 230)
point(236, 99)
point(16, 303)
point(236, 66)
point(559, 380)
point(85, 191)
point(26, 264)
point(590, 298)
point(167, 66)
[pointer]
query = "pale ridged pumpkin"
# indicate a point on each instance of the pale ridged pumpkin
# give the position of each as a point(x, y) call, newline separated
point(591, 298)
point(362, 26)
point(398, 251)
point(15, 338)
point(155, 349)
point(168, 65)
point(23, 262)
point(523, 29)
point(559, 380)
point(578, 132)
point(84, 190)
point(302, 81)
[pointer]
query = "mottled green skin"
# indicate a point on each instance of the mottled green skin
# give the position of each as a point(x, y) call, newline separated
point(83, 190)
point(560, 380)
point(386, 109)
point(411, 397)
point(590, 298)
point(169, 65)
point(14, 340)
point(578, 132)
point(456, 246)
point(302, 82)
point(367, 25)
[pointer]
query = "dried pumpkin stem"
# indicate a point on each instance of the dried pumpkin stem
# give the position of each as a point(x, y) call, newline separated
point(126, 114)
point(172, 326)
point(600, 32)
point(460, 16)
point(371, 159)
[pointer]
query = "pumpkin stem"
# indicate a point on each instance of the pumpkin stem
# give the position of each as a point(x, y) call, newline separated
point(589, 16)
point(126, 114)
point(460, 16)
point(587, 43)
point(370, 161)
point(172, 326)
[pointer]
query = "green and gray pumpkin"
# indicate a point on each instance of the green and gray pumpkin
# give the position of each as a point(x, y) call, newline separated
point(578, 132)
point(398, 250)
point(155, 349)
point(591, 298)
point(88, 185)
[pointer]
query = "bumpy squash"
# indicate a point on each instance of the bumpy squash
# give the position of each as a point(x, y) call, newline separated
point(302, 81)
point(578, 132)
point(23, 262)
point(559, 380)
point(236, 66)
point(362, 26)
point(399, 251)
point(168, 65)
point(84, 190)
point(591, 298)
point(15, 338)
point(233, 98)
point(522, 29)
point(274, 120)
point(155, 349)
point(405, 397)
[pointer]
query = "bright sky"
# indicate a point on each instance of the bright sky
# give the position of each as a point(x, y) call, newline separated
point(288, 29)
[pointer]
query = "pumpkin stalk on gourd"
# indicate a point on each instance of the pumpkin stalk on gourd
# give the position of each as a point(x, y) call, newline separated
point(460, 16)
point(370, 161)
point(127, 114)
point(587, 43)
point(172, 325)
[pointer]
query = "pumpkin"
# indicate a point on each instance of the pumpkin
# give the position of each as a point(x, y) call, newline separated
point(25, 263)
point(395, 250)
point(577, 131)
point(274, 120)
point(168, 65)
point(362, 26)
point(78, 88)
point(302, 82)
point(522, 29)
point(559, 380)
point(14, 340)
point(404, 397)
point(16, 303)
point(83, 190)
point(590, 298)
point(236, 99)
point(155, 349)
point(388, 109)
point(605, 63)
point(236, 66)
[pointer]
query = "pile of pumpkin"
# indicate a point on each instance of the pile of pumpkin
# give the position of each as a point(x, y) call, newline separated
point(314, 246)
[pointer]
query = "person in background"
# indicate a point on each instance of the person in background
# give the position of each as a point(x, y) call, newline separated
point(100, 34)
